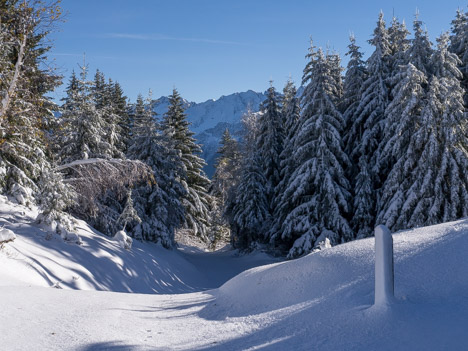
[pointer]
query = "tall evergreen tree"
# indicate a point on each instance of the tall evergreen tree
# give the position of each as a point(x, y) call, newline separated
point(291, 111)
point(196, 201)
point(270, 144)
point(25, 110)
point(158, 203)
point(355, 76)
point(318, 187)
point(368, 128)
point(397, 150)
point(226, 167)
point(437, 180)
point(459, 46)
point(225, 180)
point(398, 45)
point(83, 128)
point(251, 210)
point(420, 51)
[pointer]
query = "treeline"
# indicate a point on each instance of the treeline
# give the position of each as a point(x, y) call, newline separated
point(385, 143)
point(118, 166)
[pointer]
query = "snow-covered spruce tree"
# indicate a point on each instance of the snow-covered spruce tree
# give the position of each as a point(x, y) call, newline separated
point(25, 110)
point(82, 126)
point(367, 129)
point(396, 152)
point(270, 140)
point(354, 78)
point(129, 214)
point(123, 120)
point(54, 198)
point(397, 149)
point(26, 113)
point(420, 51)
point(251, 210)
point(318, 187)
point(459, 46)
point(196, 200)
point(225, 179)
point(399, 45)
point(291, 111)
point(226, 167)
point(158, 202)
point(438, 180)
point(102, 98)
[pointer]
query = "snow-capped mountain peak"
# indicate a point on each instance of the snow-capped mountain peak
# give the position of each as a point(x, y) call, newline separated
point(209, 119)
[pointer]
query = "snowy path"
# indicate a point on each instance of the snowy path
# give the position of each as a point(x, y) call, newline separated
point(220, 266)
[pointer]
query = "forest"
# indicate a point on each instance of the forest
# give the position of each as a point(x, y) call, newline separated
point(382, 141)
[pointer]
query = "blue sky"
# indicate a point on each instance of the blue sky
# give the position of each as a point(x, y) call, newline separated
point(210, 48)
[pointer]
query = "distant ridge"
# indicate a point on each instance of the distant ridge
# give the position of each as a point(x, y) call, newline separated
point(209, 119)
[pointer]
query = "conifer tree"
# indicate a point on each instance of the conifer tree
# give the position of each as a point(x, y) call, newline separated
point(158, 203)
point(225, 179)
point(25, 110)
point(226, 167)
point(196, 200)
point(368, 128)
point(318, 187)
point(420, 51)
point(129, 214)
point(270, 144)
point(291, 115)
point(355, 76)
point(398, 45)
point(433, 178)
point(459, 46)
point(403, 115)
point(251, 209)
point(83, 128)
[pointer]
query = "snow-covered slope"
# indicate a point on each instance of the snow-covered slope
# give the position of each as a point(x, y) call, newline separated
point(100, 263)
point(209, 119)
point(320, 302)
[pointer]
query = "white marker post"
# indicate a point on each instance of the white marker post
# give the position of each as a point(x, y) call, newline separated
point(383, 266)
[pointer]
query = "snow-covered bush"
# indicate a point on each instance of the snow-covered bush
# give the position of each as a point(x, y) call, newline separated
point(124, 240)
point(6, 235)
point(54, 198)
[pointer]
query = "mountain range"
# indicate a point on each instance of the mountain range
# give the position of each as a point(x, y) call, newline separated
point(209, 119)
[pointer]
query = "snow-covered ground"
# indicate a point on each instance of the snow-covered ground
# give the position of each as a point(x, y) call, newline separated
point(320, 302)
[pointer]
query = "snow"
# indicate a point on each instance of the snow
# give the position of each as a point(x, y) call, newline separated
point(323, 301)
point(6, 235)
point(41, 258)
point(123, 239)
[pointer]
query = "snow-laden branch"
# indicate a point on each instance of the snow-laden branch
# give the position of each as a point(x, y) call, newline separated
point(93, 178)
point(102, 161)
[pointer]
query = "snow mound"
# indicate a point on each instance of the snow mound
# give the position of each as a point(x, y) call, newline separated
point(330, 295)
point(6, 235)
point(123, 239)
point(38, 257)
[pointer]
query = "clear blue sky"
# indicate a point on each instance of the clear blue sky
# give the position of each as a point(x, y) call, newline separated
point(209, 48)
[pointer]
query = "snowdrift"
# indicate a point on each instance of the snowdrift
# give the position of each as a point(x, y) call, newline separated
point(323, 301)
point(101, 263)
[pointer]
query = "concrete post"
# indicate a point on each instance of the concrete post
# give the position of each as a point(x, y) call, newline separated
point(384, 278)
